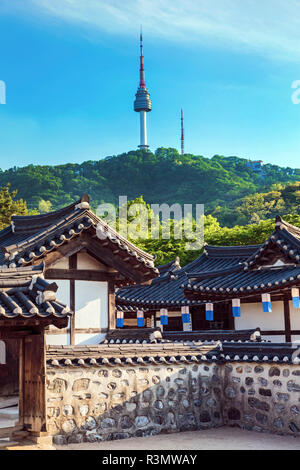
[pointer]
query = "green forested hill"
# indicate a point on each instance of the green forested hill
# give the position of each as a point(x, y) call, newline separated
point(226, 185)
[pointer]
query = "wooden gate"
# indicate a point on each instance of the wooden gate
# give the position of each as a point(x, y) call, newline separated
point(33, 383)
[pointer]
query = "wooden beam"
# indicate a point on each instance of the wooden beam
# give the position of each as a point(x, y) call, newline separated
point(82, 275)
point(62, 331)
point(90, 330)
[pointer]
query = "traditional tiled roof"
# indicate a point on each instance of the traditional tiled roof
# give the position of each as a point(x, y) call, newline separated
point(253, 334)
point(285, 240)
point(241, 283)
point(25, 294)
point(128, 308)
point(133, 335)
point(168, 291)
point(131, 354)
point(171, 353)
point(167, 270)
point(254, 275)
point(29, 238)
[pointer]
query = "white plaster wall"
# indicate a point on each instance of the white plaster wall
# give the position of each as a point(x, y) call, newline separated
point(62, 263)
point(85, 261)
point(63, 295)
point(295, 317)
point(58, 340)
point(63, 291)
point(91, 304)
point(252, 316)
point(81, 338)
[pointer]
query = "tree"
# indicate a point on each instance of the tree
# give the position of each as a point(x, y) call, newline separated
point(44, 206)
point(9, 206)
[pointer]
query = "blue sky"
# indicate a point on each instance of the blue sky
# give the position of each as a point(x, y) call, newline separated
point(71, 73)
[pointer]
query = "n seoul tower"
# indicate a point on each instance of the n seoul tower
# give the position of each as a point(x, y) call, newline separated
point(142, 102)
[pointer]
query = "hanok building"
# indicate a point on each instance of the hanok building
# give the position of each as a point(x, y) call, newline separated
point(235, 288)
point(166, 295)
point(28, 305)
point(86, 258)
point(263, 289)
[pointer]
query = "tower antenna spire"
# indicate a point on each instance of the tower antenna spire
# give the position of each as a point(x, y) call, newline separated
point(182, 134)
point(142, 71)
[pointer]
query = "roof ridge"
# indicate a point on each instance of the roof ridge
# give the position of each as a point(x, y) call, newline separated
point(281, 224)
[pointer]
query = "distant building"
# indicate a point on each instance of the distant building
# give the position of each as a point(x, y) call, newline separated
point(256, 166)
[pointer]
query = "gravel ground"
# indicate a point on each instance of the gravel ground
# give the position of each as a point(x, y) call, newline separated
point(224, 438)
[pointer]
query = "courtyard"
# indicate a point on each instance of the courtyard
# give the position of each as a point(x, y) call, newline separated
point(222, 438)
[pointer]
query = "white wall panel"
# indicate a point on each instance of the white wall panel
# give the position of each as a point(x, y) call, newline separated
point(62, 263)
point(91, 304)
point(63, 291)
point(58, 340)
point(63, 296)
point(252, 316)
point(85, 261)
point(295, 317)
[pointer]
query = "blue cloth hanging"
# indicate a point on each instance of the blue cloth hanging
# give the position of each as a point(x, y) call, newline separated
point(236, 307)
point(266, 303)
point(163, 316)
point(209, 312)
point(120, 319)
point(140, 318)
point(295, 297)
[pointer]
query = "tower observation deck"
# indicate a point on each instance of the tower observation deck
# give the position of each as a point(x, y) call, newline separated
point(142, 102)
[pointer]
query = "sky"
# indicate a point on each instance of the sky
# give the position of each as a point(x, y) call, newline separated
point(71, 70)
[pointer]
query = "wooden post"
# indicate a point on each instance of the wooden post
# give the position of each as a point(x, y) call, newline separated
point(21, 381)
point(72, 265)
point(287, 319)
point(111, 306)
point(231, 321)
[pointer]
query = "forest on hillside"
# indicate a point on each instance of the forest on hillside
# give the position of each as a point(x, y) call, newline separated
point(256, 211)
point(230, 189)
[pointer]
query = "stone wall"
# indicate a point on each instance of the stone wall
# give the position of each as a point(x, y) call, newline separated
point(102, 403)
point(262, 396)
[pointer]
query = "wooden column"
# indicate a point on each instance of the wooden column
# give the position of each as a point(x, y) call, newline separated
point(111, 306)
point(287, 320)
point(72, 265)
point(21, 380)
point(231, 323)
point(34, 397)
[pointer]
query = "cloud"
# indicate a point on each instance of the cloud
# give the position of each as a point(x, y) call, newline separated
point(270, 27)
